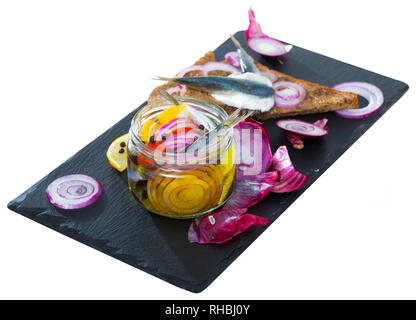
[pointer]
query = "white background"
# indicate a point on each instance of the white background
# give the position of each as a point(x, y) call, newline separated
point(71, 69)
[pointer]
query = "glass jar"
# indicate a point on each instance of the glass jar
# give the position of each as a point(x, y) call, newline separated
point(179, 184)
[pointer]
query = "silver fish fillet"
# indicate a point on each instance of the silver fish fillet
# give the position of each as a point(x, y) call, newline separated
point(246, 62)
point(213, 83)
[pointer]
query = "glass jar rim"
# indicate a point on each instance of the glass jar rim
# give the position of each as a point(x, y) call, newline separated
point(152, 152)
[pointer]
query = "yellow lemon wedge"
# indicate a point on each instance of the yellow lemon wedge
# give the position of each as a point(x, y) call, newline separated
point(149, 129)
point(170, 114)
point(117, 153)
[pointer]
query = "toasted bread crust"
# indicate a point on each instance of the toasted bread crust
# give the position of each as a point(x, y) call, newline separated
point(319, 98)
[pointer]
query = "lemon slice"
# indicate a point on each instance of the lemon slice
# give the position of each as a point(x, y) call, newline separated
point(170, 113)
point(149, 129)
point(117, 153)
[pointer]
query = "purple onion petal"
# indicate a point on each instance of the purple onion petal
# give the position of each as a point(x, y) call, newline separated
point(289, 178)
point(74, 191)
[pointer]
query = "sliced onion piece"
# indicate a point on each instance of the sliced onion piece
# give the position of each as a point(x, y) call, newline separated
point(302, 128)
point(232, 219)
point(288, 48)
point(370, 92)
point(249, 191)
point(175, 124)
point(322, 123)
point(273, 77)
point(173, 90)
point(233, 58)
point(296, 130)
point(288, 94)
point(183, 72)
point(179, 142)
point(267, 47)
point(74, 191)
point(222, 225)
point(220, 66)
point(252, 149)
point(289, 179)
point(207, 67)
point(262, 43)
point(296, 140)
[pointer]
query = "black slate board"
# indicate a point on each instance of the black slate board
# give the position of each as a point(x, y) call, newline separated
point(118, 226)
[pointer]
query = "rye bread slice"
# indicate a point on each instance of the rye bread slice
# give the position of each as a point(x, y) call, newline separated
point(319, 98)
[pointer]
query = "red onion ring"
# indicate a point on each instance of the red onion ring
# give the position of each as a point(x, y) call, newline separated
point(179, 142)
point(267, 46)
point(175, 124)
point(273, 77)
point(189, 69)
point(252, 150)
point(287, 94)
point(368, 91)
point(207, 67)
point(233, 58)
point(173, 90)
point(302, 128)
point(289, 101)
point(74, 191)
point(211, 66)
